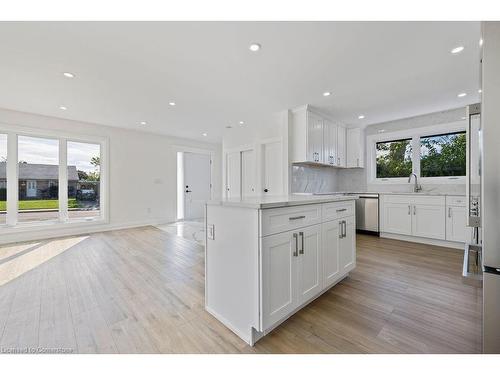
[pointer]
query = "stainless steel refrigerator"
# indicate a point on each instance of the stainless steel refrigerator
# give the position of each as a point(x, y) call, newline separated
point(489, 206)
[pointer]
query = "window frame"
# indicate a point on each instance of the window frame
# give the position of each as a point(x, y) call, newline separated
point(12, 225)
point(415, 135)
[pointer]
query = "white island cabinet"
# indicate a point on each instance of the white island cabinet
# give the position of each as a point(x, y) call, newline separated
point(266, 259)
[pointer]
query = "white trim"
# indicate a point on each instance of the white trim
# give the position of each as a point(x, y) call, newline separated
point(12, 184)
point(63, 180)
point(424, 240)
point(415, 135)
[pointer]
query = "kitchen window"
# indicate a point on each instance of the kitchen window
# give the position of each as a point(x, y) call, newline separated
point(394, 158)
point(57, 179)
point(436, 154)
point(443, 155)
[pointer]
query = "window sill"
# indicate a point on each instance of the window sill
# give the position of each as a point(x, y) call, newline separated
point(52, 225)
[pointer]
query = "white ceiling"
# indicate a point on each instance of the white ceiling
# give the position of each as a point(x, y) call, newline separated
point(127, 72)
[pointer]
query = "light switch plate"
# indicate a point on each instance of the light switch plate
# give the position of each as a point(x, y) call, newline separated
point(211, 231)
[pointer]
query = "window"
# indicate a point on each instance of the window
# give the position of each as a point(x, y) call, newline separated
point(3, 178)
point(39, 173)
point(84, 175)
point(394, 158)
point(443, 155)
point(436, 154)
point(38, 195)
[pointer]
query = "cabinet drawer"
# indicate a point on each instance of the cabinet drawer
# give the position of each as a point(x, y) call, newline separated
point(276, 220)
point(455, 200)
point(335, 210)
point(434, 200)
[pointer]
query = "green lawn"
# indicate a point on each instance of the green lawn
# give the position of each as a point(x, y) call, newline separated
point(40, 204)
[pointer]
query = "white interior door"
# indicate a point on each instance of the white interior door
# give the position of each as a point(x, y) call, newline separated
point(248, 173)
point(196, 184)
point(272, 168)
point(233, 174)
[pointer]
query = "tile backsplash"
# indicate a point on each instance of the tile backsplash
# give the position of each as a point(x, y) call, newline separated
point(313, 179)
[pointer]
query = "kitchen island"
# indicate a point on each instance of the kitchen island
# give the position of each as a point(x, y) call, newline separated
point(266, 258)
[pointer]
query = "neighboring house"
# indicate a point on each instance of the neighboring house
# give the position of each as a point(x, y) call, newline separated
point(40, 181)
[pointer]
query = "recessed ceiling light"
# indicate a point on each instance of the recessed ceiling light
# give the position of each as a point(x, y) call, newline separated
point(171, 103)
point(327, 93)
point(143, 123)
point(204, 134)
point(62, 108)
point(480, 91)
point(361, 117)
point(457, 49)
point(68, 75)
point(462, 94)
point(381, 130)
point(481, 42)
point(242, 122)
point(254, 47)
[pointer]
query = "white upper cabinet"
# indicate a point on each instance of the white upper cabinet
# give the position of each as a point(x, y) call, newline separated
point(316, 139)
point(341, 146)
point(330, 142)
point(355, 148)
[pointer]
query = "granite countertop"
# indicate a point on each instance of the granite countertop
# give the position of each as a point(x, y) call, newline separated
point(281, 201)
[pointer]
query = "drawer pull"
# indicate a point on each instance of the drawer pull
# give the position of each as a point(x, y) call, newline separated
point(296, 240)
point(297, 217)
point(342, 209)
point(301, 235)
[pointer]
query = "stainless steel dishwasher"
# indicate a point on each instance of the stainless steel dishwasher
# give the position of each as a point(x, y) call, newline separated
point(367, 213)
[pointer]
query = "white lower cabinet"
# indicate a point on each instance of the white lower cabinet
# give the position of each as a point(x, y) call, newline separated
point(299, 264)
point(456, 224)
point(396, 217)
point(428, 221)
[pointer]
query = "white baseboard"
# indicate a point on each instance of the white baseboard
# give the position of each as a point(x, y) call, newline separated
point(44, 233)
point(427, 241)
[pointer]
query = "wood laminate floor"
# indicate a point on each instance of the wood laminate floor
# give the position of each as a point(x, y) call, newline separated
point(141, 291)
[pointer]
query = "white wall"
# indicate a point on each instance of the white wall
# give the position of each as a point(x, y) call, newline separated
point(142, 172)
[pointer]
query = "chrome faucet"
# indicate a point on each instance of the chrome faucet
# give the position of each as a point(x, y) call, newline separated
point(417, 187)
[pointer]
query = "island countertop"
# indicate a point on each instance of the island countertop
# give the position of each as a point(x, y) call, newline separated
point(281, 200)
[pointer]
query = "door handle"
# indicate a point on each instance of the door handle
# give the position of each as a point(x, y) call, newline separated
point(190, 191)
point(414, 210)
point(301, 235)
point(345, 229)
point(449, 211)
point(296, 239)
point(340, 229)
point(342, 210)
point(409, 210)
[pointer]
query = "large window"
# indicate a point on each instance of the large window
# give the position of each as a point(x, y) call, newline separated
point(436, 154)
point(38, 183)
point(394, 158)
point(3, 178)
point(58, 180)
point(84, 176)
point(443, 155)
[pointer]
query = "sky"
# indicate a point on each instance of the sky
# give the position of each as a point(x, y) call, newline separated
point(46, 151)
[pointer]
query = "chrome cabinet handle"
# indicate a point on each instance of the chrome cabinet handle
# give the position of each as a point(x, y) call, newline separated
point(297, 217)
point(414, 210)
point(449, 211)
point(340, 229)
point(296, 238)
point(301, 235)
point(345, 229)
point(409, 210)
point(342, 209)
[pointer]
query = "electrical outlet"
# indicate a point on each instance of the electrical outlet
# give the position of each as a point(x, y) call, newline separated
point(211, 231)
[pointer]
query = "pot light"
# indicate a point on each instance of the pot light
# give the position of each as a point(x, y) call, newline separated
point(171, 103)
point(68, 75)
point(457, 49)
point(143, 123)
point(327, 93)
point(62, 108)
point(381, 130)
point(462, 94)
point(480, 91)
point(254, 47)
point(361, 117)
point(204, 134)
point(242, 122)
